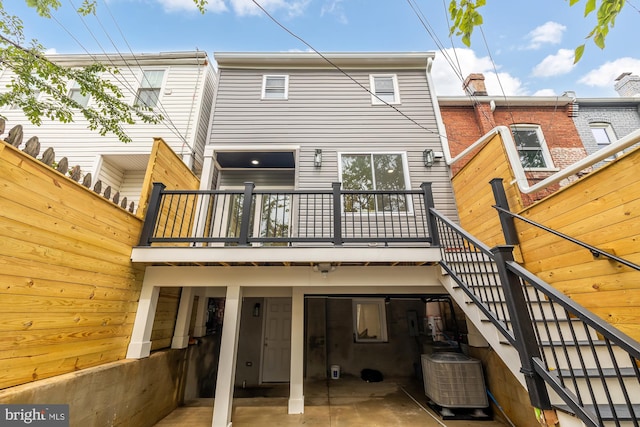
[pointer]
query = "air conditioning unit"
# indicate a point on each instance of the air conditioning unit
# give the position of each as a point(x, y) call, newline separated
point(453, 380)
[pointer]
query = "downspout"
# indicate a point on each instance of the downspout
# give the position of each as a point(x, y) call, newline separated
point(442, 131)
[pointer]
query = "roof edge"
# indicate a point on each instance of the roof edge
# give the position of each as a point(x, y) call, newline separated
point(313, 59)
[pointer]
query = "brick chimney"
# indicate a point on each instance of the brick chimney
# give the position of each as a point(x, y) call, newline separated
point(474, 85)
point(627, 85)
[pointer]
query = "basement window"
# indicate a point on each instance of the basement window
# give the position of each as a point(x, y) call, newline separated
point(369, 320)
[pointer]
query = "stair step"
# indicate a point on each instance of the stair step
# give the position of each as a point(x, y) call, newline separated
point(622, 412)
point(607, 372)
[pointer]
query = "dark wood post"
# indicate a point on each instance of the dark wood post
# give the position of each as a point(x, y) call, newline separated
point(506, 220)
point(153, 208)
point(431, 219)
point(337, 214)
point(525, 337)
point(247, 210)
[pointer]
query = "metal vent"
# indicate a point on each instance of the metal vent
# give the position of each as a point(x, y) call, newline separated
point(453, 380)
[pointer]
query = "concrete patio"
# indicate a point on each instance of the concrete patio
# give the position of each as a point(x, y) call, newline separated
point(344, 402)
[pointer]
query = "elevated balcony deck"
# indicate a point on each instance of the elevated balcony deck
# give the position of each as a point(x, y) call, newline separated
point(248, 227)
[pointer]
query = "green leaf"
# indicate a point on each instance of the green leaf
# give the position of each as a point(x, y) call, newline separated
point(598, 39)
point(577, 54)
point(589, 7)
point(572, 2)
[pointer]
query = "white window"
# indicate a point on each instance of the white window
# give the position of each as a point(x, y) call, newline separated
point(384, 89)
point(275, 87)
point(76, 95)
point(369, 320)
point(531, 146)
point(150, 85)
point(374, 171)
point(603, 134)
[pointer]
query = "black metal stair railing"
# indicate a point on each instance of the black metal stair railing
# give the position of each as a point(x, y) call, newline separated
point(590, 365)
point(284, 218)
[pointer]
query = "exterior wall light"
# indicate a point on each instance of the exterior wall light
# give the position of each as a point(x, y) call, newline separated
point(317, 158)
point(428, 157)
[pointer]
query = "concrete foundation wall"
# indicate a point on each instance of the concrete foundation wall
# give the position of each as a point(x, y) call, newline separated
point(123, 393)
point(203, 368)
point(250, 343)
point(316, 338)
point(398, 357)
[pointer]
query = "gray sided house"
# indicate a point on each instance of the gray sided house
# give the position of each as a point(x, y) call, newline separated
point(308, 246)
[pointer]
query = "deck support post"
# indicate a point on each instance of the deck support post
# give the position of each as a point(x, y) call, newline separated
point(140, 344)
point(223, 402)
point(296, 378)
point(181, 330)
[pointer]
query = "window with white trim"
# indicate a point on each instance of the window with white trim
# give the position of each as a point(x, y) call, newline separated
point(369, 320)
point(531, 146)
point(275, 87)
point(76, 95)
point(384, 89)
point(374, 171)
point(604, 135)
point(150, 85)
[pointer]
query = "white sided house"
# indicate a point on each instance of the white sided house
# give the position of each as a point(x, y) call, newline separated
point(311, 228)
point(179, 86)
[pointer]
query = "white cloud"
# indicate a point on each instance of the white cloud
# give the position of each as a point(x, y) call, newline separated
point(605, 75)
point(547, 33)
point(555, 65)
point(334, 7)
point(248, 7)
point(447, 82)
point(51, 51)
point(545, 92)
point(189, 5)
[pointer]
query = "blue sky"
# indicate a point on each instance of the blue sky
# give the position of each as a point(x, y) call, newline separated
point(529, 43)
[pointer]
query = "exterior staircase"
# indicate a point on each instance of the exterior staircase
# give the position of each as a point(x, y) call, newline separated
point(587, 368)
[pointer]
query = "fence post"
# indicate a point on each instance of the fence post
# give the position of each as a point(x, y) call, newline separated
point(337, 214)
point(431, 219)
point(525, 337)
point(153, 209)
point(506, 220)
point(247, 210)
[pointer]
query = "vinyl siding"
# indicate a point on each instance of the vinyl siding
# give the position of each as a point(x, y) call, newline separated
point(327, 110)
point(179, 105)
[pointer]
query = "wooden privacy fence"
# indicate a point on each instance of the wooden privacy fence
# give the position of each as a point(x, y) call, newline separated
point(601, 209)
point(68, 289)
point(32, 148)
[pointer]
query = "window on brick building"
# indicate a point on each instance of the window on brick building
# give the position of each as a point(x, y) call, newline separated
point(531, 147)
point(603, 134)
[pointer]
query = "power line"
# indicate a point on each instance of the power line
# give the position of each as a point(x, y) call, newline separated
point(125, 83)
point(344, 72)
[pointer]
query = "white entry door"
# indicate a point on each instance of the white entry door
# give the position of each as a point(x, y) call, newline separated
point(277, 340)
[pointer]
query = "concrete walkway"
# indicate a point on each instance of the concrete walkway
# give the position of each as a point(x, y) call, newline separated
point(345, 402)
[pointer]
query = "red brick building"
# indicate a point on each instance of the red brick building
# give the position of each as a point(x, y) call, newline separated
point(542, 127)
